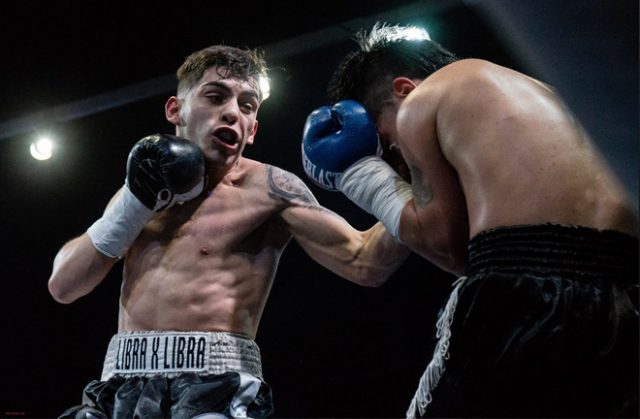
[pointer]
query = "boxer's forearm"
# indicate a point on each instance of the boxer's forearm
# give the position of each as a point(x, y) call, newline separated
point(366, 258)
point(382, 254)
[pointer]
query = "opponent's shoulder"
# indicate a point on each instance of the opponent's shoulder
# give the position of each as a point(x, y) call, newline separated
point(468, 65)
point(466, 76)
point(465, 70)
point(453, 83)
point(470, 88)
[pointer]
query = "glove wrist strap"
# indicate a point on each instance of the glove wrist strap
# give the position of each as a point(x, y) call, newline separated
point(120, 224)
point(376, 188)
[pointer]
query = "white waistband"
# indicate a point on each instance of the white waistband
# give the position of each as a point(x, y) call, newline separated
point(170, 353)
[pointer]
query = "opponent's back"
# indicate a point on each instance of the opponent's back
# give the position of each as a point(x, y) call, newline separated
point(519, 155)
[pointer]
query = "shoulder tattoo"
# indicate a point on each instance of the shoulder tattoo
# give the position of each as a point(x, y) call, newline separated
point(421, 192)
point(286, 186)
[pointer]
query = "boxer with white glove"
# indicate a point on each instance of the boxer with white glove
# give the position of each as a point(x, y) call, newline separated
point(340, 151)
point(162, 170)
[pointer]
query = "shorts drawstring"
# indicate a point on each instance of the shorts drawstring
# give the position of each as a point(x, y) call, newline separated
point(434, 370)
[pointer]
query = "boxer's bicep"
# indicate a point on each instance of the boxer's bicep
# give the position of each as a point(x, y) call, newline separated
point(306, 219)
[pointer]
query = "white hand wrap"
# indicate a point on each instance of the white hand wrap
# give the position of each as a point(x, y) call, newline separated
point(121, 223)
point(376, 188)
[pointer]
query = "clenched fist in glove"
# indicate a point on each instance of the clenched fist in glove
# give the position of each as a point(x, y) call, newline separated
point(340, 152)
point(162, 170)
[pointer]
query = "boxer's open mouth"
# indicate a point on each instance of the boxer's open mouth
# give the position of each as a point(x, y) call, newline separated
point(226, 136)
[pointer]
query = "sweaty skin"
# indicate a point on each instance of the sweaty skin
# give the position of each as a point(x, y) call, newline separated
point(209, 264)
point(169, 283)
point(488, 147)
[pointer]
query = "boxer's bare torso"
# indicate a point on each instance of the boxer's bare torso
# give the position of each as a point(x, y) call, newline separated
point(490, 147)
point(209, 264)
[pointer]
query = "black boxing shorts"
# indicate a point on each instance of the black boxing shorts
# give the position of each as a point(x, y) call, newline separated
point(545, 324)
point(178, 374)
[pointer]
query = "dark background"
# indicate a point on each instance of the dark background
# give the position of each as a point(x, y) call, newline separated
point(97, 74)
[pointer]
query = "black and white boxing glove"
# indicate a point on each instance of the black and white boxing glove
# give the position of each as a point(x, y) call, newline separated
point(162, 170)
point(340, 152)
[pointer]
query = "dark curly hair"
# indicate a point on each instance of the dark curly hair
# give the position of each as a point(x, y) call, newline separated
point(385, 52)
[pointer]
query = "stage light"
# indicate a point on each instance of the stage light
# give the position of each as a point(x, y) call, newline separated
point(265, 87)
point(42, 149)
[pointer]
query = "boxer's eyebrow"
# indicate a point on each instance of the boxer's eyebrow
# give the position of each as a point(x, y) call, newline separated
point(224, 86)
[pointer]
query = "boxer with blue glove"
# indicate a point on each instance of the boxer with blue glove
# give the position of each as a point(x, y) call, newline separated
point(510, 195)
point(340, 152)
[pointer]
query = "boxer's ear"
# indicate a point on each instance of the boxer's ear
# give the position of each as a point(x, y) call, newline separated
point(172, 110)
point(402, 86)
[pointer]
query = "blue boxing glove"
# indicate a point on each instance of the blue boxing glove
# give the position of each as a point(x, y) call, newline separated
point(340, 152)
point(334, 138)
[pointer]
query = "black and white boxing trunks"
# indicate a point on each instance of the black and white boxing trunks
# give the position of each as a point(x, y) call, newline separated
point(178, 374)
point(545, 324)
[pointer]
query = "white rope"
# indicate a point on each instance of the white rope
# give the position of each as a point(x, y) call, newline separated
point(434, 370)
